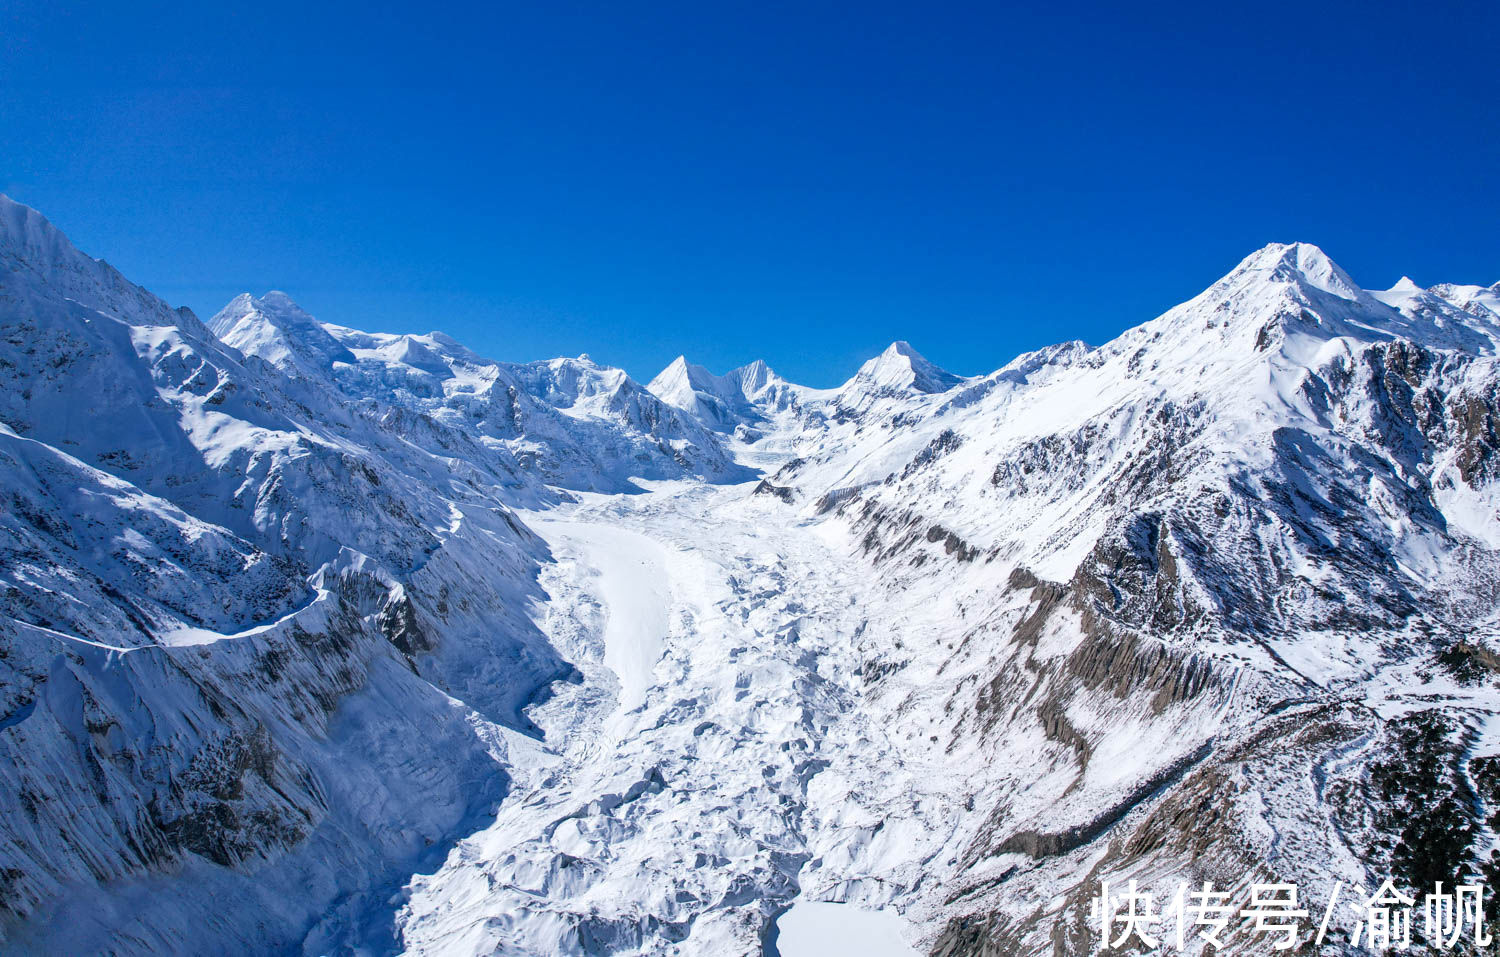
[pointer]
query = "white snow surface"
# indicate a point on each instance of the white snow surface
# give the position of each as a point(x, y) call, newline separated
point(822, 929)
point(633, 588)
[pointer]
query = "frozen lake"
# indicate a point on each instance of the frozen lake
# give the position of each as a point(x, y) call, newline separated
point(823, 929)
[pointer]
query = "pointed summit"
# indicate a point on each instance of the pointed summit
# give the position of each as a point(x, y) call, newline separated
point(755, 377)
point(1290, 296)
point(1281, 290)
point(676, 383)
point(1302, 264)
point(1305, 267)
point(279, 331)
point(736, 386)
point(740, 396)
point(1404, 294)
point(902, 368)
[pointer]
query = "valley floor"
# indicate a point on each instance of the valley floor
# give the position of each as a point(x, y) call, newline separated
point(696, 779)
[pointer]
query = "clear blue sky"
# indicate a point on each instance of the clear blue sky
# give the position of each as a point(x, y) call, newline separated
point(802, 182)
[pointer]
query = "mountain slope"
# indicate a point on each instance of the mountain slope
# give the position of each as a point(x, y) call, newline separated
point(234, 609)
point(1127, 574)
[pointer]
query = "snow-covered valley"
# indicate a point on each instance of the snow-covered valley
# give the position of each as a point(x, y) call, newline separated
point(321, 641)
point(688, 786)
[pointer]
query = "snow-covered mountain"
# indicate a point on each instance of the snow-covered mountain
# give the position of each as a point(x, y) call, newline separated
point(571, 422)
point(898, 370)
point(744, 401)
point(323, 641)
point(239, 614)
point(1241, 558)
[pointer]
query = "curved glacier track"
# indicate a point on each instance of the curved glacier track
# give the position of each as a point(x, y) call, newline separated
point(699, 777)
point(632, 586)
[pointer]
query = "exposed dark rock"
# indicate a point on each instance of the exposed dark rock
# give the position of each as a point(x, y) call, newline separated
point(398, 622)
point(775, 491)
point(952, 544)
point(1038, 844)
point(979, 935)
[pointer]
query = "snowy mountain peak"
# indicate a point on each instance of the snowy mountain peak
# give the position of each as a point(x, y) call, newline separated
point(756, 377)
point(679, 377)
point(276, 299)
point(744, 381)
point(902, 368)
point(1472, 299)
point(1281, 294)
point(39, 262)
point(29, 238)
point(1301, 264)
point(742, 396)
point(278, 330)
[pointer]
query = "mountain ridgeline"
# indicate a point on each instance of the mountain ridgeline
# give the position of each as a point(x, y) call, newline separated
point(306, 641)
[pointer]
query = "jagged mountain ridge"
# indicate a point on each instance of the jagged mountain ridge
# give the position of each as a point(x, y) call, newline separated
point(1256, 534)
point(215, 581)
point(575, 423)
point(743, 397)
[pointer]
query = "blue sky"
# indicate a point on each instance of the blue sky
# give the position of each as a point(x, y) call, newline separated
point(802, 182)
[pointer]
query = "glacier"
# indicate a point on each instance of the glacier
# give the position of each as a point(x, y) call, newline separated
point(321, 641)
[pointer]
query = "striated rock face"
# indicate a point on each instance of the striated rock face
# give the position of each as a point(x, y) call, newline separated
point(306, 644)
